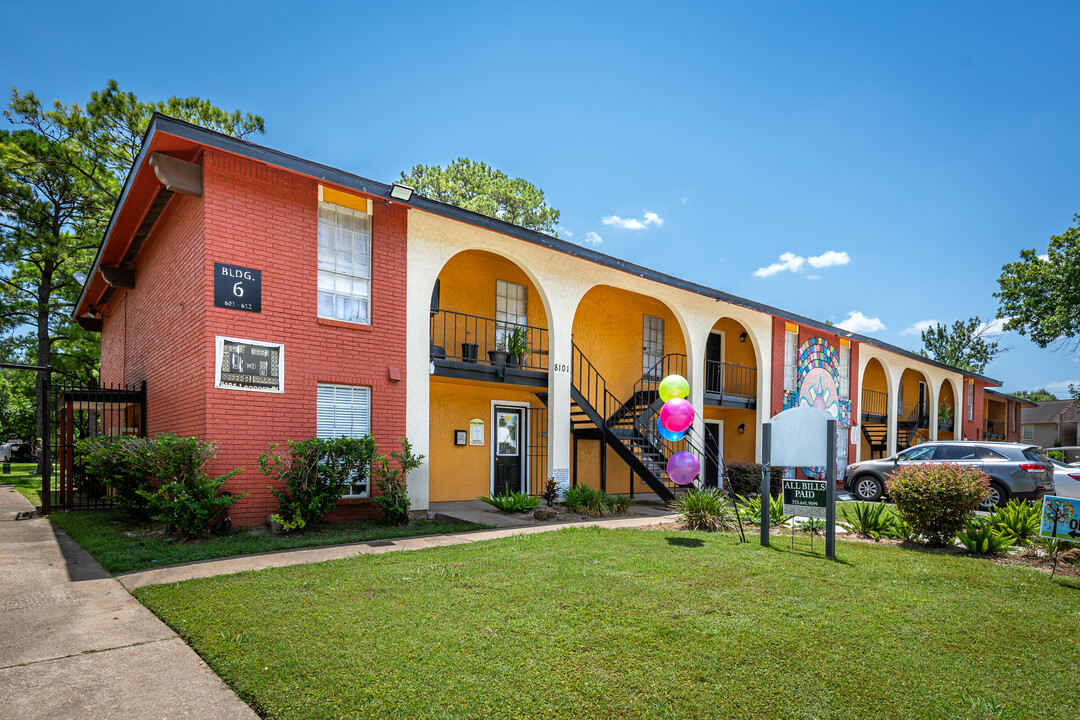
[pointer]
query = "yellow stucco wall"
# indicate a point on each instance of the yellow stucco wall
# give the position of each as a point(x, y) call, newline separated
point(467, 285)
point(608, 329)
point(738, 447)
point(463, 472)
point(738, 353)
point(945, 396)
point(873, 379)
point(911, 380)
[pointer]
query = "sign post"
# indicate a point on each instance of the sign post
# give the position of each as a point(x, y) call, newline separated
point(797, 437)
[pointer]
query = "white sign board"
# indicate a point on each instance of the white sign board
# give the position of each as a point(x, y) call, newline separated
point(800, 438)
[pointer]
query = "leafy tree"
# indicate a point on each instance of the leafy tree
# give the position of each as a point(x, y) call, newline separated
point(964, 345)
point(61, 174)
point(1040, 297)
point(475, 186)
point(17, 417)
point(1040, 395)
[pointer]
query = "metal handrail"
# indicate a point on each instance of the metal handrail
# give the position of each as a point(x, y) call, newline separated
point(453, 331)
point(874, 402)
point(730, 379)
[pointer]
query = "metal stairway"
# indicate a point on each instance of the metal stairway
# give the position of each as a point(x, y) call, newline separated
point(629, 428)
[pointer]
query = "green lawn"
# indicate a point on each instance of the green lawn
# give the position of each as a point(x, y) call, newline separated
point(623, 623)
point(121, 545)
point(27, 484)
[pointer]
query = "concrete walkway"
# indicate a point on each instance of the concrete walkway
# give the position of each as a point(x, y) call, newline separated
point(75, 644)
point(471, 511)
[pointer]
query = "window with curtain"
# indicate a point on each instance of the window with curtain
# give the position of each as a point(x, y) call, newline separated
point(344, 264)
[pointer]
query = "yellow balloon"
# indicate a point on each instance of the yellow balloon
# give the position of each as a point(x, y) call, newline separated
point(674, 386)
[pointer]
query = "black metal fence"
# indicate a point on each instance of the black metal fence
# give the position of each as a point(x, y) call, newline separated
point(470, 338)
point(731, 381)
point(874, 404)
point(79, 414)
point(537, 450)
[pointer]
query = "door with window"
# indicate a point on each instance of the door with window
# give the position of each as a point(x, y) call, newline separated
point(714, 449)
point(714, 363)
point(652, 347)
point(508, 448)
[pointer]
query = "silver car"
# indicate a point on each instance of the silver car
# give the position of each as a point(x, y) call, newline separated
point(1016, 470)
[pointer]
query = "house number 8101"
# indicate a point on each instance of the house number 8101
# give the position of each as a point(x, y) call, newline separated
point(562, 367)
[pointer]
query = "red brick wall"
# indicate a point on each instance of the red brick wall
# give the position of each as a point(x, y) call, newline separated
point(805, 333)
point(266, 219)
point(154, 332)
point(972, 429)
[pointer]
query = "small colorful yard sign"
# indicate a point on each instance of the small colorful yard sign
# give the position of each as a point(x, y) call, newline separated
point(1060, 518)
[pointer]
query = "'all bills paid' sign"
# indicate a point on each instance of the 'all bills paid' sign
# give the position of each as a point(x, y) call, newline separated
point(805, 498)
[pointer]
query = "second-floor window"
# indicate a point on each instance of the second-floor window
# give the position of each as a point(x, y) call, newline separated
point(845, 371)
point(511, 307)
point(791, 341)
point(344, 264)
point(971, 400)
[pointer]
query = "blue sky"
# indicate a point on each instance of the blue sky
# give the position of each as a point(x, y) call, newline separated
point(903, 151)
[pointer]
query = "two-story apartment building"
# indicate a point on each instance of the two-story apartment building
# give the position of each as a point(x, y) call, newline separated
point(263, 297)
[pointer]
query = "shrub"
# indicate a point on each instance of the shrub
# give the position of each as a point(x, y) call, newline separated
point(937, 499)
point(114, 462)
point(704, 510)
point(186, 499)
point(745, 478)
point(815, 526)
point(751, 510)
point(551, 492)
point(979, 537)
point(1019, 520)
point(595, 503)
point(316, 473)
point(513, 502)
point(867, 519)
point(393, 497)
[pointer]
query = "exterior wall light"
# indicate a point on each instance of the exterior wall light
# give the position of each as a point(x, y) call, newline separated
point(742, 428)
point(742, 337)
point(401, 192)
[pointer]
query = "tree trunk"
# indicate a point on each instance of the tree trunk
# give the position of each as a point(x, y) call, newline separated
point(44, 352)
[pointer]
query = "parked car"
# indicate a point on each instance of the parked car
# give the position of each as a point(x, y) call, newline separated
point(1016, 470)
point(1066, 479)
point(17, 451)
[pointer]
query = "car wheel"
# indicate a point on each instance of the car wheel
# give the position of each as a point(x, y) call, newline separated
point(868, 488)
point(998, 496)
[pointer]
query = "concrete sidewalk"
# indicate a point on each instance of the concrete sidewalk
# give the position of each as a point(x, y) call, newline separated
point(75, 644)
point(511, 526)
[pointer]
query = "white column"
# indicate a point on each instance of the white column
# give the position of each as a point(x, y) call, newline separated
point(890, 416)
point(695, 375)
point(560, 331)
point(933, 409)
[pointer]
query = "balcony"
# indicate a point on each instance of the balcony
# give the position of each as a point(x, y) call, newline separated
point(730, 385)
point(875, 406)
point(992, 430)
point(476, 348)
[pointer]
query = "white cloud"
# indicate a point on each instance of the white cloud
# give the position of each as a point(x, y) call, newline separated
point(828, 259)
point(993, 327)
point(649, 218)
point(788, 261)
point(1060, 388)
point(564, 233)
point(591, 238)
point(1045, 257)
point(919, 327)
point(796, 263)
point(859, 323)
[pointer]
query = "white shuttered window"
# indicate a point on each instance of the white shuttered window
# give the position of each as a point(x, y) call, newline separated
point(344, 411)
point(791, 342)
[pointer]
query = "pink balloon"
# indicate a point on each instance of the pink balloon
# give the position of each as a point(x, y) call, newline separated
point(677, 414)
point(683, 467)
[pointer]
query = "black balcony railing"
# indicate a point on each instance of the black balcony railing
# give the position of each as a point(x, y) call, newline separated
point(470, 338)
point(874, 403)
point(730, 380)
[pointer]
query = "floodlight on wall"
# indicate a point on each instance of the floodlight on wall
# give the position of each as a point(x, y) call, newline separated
point(401, 192)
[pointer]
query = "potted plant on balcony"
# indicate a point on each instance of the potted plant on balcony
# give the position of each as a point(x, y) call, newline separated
point(944, 417)
point(517, 345)
point(499, 355)
point(468, 349)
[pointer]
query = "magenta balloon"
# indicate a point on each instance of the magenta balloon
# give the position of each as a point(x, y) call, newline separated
point(677, 414)
point(683, 467)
